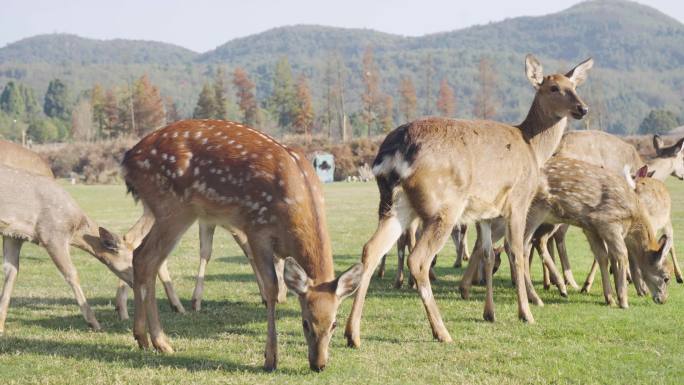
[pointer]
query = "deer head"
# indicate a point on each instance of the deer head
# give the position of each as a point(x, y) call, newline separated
point(674, 152)
point(319, 305)
point(556, 94)
point(655, 269)
point(116, 254)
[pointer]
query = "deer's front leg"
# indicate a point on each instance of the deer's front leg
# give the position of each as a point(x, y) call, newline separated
point(122, 300)
point(388, 231)
point(264, 263)
point(206, 237)
point(11, 249)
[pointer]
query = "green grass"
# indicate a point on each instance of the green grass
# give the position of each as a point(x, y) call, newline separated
point(576, 340)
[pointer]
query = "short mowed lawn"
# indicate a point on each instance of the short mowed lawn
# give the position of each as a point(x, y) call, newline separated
point(576, 340)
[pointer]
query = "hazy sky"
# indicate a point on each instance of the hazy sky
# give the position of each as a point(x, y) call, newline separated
point(202, 25)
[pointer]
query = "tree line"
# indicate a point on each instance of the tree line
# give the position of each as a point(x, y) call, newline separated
point(137, 107)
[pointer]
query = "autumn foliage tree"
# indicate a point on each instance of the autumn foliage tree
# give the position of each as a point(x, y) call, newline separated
point(371, 81)
point(303, 111)
point(446, 103)
point(387, 120)
point(148, 106)
point(408, 101)
point(485, 104)
point(244, 90)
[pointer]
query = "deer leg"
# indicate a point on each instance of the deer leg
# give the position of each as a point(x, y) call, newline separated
point(670, 233)
point(619, 256)
point(486, 232)
point(147, 259)
point(11, 247)
point(264, 263)
point(122, 300)
point(165, 278)
point(460, 239)
point(435, 234)
point(475, 259)
point(590, 277)
point(59, 252)
point(559, 238)
point(550, 265)
point(206, 237)
point(401, 249)
point(388, 231)
point(635, 273)
point(381, 268)
point(598, 247)
point(518, 242)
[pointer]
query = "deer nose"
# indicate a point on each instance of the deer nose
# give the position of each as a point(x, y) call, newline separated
point(317, 368)
point(582, 109)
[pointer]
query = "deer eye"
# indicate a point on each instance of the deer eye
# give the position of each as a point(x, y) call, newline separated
point(305, 325)
point(667, 279)
point(555, 89)
point(334, 326)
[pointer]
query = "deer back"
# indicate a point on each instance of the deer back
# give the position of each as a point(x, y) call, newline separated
point(601, 149)
point(232, 175)
point(16, 156)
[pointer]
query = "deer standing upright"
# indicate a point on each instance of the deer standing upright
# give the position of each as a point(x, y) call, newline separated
point(227, 174)
point(447, 172)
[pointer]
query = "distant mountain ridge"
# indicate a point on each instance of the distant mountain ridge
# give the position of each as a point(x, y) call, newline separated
point(639, 54)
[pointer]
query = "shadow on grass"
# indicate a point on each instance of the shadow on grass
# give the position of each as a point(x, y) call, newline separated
point(122, 354)
point(215, 318)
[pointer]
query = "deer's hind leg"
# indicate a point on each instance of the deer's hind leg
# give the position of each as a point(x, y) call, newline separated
point(206, 238)
point(598, 247)
point(559, 238)
point(59, 252)
point(165, 278)
point(11, 248)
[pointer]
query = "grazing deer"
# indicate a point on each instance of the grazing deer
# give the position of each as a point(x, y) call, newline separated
point(230, 175)
point(35, 208)
point(613, 218)
point(447, 172)
point(613, 153)
point(655, 198)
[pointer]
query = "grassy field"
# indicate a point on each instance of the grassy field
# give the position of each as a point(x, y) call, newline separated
point(575, 340)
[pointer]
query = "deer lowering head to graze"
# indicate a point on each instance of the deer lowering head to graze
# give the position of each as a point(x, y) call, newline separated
point(35, 208)
point(16, 156)
point(612, 217)
point(612, 153)
point(230, 175)
point(447, 171)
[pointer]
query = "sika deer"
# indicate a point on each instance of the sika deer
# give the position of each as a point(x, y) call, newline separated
point(612, 217)
point(230, 175)
point(448, 172)
point(35, 208)
point(613, 153)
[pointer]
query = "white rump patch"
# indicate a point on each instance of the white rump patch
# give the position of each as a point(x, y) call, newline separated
point(396, 163)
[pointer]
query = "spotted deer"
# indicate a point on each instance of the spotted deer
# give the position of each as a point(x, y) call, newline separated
point(613, 153)
point(447, 172)
point(230, 175)
point(654, 196)
point(33, 207)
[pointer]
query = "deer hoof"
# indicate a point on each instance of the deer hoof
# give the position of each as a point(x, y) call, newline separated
point(465, 293)
point(680, 280)
point(178, 308)
point(458, 265)
point(564, 294)
point(489, 316)
point(270, 362)
point(352, 342)
point(196, 304)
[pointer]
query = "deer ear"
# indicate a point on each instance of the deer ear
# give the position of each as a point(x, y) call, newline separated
point(657, 144)
point(108, 240)
point(642, 172)
point(665, 243)
point(534, 71)
point(349, 281)
point(296, 278)
point(579, 74)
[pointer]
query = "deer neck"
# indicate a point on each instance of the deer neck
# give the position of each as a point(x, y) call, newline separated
point(662, 166)
point(542, 131)
point(87, 238)
point(640, 235)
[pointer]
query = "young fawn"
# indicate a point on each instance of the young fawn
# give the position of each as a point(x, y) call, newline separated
point(35, 208)
point(230, 175)
point(435, 169)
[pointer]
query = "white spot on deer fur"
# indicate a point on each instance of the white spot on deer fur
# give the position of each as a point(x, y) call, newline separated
point(289, 201)
point(172, 159)
point(254, 156)
point(164, 156)
point(281, 183)
point(164, 135)
point(269, 156)
point(186, 134)
point(238, 146)
point(223, 180)
point(153, 151)
point(243, 153)
point(175, 135)
point(197, 171)
point(212, 170)
point(204, 141)
point(198, 134)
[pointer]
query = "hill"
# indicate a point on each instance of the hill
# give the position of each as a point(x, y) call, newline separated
point(639, 55)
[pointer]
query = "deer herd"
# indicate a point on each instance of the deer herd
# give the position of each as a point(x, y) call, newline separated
point(525, 184)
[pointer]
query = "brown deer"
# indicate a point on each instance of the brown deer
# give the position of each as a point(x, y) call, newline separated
point(230, 175)
point(35, 208)
point(448, 172)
